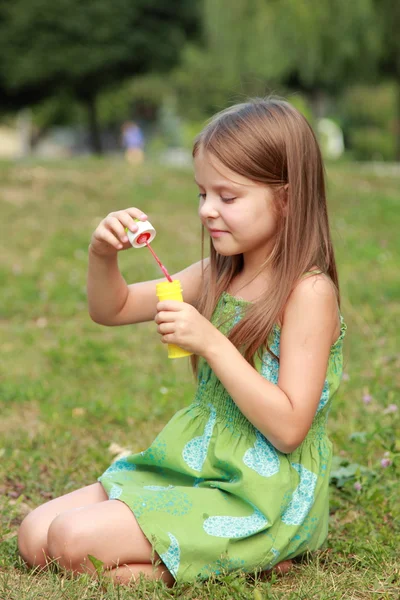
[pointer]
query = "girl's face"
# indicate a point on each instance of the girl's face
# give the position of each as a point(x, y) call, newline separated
point(238, 212)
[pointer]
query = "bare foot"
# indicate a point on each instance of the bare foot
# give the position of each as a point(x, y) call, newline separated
point(280, 569)
point(283, 567)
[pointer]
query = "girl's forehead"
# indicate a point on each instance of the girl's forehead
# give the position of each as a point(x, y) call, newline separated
point(211, 171)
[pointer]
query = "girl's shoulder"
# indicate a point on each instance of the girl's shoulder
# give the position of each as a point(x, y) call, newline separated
point(313, 304)
point(316, 283)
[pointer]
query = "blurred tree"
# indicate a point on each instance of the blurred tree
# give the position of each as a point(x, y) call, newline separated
point(367, 115)
point(240, 56)
point(244, 38)
point(12, 99)
point(329, 43)
point(141, 95)
point(202, 85)
point(388, 17)
point(86, 47)
point(252, 47)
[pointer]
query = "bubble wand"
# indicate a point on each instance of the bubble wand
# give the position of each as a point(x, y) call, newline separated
point(167, 290)
point(163, 269)
point(145, 234)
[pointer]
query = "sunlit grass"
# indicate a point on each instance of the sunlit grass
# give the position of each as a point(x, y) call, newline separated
point(70, 388)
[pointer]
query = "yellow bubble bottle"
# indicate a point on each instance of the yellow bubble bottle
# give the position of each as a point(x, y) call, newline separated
point(172, 290)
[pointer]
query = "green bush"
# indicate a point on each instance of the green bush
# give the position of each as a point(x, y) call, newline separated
point(367, 116)
point(367, 105)
point(372, 143)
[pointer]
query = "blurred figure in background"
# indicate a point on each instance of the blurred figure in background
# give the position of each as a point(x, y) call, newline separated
point(133, 143)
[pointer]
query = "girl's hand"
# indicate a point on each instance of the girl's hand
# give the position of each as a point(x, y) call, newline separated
point(110, 236)
point(181, 324)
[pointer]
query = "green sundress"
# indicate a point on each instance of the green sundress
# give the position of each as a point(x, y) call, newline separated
point(212, 494)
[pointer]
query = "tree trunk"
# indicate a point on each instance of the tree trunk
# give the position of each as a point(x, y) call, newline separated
point(397, 122)
point(319, 101)
point(94, 129)
point(24, 127)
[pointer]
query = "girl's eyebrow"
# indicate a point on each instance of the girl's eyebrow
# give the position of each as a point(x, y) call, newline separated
point(222, 186)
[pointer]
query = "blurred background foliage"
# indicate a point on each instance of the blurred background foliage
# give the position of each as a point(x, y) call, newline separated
point(171, 64)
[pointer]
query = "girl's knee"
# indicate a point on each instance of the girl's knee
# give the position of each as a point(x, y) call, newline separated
point(32, 540)
point(64, 543)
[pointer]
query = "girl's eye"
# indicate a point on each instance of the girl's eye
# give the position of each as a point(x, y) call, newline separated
point(202, 196)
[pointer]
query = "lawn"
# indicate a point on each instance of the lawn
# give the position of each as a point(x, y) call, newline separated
point(73, 394)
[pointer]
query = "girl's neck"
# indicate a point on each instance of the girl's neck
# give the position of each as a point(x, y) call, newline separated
point(255, 258)
point(250, 284)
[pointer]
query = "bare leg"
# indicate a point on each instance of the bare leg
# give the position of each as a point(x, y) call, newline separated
point(59, 529)
point(128, 573)
point(32, 535)
point(108, 531)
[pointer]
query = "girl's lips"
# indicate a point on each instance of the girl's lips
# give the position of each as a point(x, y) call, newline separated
point(215, 233)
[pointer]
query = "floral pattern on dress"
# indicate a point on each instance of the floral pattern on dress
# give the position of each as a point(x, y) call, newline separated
point(115, 492)
point(172, 557)
point(235, 527)
point(324, 396)
point(194, 452)
point(262, 458)
point(221, 566)
point(303, 534)
point(158, 488)
point(170, 500)
point(303, 497)
point(119, 466)
point(269, 363)
point(156, 453)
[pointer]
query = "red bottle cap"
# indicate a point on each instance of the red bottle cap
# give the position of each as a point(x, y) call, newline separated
point(143, 238)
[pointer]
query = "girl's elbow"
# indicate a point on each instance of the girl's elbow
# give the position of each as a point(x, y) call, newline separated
point(100, 319)
point(288, 448)
point(290, 441)
point(285, 448)
point(95, 318)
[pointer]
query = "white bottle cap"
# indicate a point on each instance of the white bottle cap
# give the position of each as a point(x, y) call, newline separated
point(145, 233)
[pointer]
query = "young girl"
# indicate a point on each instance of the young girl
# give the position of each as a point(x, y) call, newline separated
point(239, 479)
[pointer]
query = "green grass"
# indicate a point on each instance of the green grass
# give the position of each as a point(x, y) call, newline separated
point(70, 388)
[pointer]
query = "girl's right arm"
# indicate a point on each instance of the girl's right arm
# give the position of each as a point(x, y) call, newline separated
point(111, 301)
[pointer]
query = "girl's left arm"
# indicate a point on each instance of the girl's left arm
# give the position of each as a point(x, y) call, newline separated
point(284, 412)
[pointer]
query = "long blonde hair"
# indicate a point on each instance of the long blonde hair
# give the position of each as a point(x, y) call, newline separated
point(269, 141)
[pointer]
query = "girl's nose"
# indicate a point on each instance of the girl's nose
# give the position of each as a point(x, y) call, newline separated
point(207, 208)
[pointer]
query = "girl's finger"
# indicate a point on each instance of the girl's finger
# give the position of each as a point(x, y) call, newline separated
point(165, 316)
point(127, 221)
point(106, 236)
point(171, 306)
point(136, 213)
point(165, 328)
point(116, 227)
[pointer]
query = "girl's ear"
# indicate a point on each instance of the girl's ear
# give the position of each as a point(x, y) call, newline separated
point(283, 194)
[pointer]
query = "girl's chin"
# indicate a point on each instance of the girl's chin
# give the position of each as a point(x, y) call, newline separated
point(225, 249)
point(226, 252)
